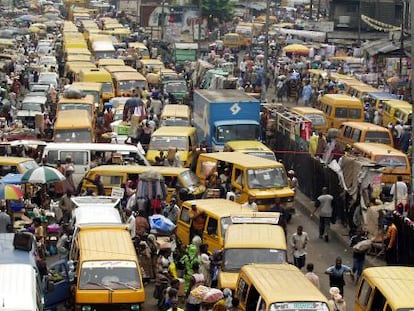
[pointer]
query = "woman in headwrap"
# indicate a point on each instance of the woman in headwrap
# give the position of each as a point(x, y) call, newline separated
point(152, 244)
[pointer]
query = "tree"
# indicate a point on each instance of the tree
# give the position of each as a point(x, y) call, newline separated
point(216, 10)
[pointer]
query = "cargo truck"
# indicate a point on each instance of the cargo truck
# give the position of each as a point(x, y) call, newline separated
point(224, 115)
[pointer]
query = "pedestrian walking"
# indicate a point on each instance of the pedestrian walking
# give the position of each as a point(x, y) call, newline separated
point(311, 276)
point(251, 204)
point(324, 202)
point(5, 220)
point(336, 302)
point(298, 241)
point(197, 279)
point(358, 256)
point(391, 237)
point(336, 274)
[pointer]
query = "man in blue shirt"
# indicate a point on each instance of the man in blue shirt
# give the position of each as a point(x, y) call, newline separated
point(307, 93)
point(336, 274)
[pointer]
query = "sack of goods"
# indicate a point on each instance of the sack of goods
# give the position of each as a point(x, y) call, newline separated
point(74, 93)
point(362, 246)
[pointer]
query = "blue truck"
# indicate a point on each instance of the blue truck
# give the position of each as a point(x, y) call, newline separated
point(224, 115)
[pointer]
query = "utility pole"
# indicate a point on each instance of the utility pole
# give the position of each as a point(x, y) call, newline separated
point(404, 7)
point(359, 23)
point(162, 19)
point(266, 53)
point(311, 9)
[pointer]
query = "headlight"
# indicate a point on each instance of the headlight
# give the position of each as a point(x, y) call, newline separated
point(135, 307)
point(86, 308)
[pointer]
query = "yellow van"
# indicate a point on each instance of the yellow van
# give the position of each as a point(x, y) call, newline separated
point(140, 48)
point(113, 176)
point(91, 88)
point(232, 40)
point(396, 110)
point(107, 269)
point(339, 108)
point(126, 82)
point(257, 283)
point(75, 67)
point(262, 179)
point(252, 147)
point(360, 132)
point(151, 65)
point(86, 103)
point(318, 78)
point(73, 126)
point(217, 213)
point(103, 62)
point(250, 243)
point(360, 90)
point(99, 75)
point(176, 115)
point(385, 288)
point(316, 116)
point(16, 165)
point(165, 138)
point(394, 161)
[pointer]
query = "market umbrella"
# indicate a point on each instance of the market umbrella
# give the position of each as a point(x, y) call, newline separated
point(42, 175)
point(10, 178)
point(393, 80)
point(10, 192)
point(296, 48)
point(27, 18)
point(34, 29)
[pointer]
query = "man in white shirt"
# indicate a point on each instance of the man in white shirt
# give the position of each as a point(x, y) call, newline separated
point(298, 242)
point(130, 222)
point(399, 190)
point(324, 202)
point(250, 204)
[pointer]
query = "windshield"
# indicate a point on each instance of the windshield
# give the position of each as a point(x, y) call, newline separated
point(266, 178)
point(174, 121)
point(95, 95)
point(107, 87)
point(109, 275)
point(31, 107)
point(235, 258)
point(74, 136)
point(316, 119)
point(47, 61)
point(166, 142)
point(27, 165)
point(74, 106)
point(224, 133)
point(299, 306)
point(264, 155)
point(104, 54)
point(377, 137)
point(175, 87)
point(189, 179)
point(131, 85)
point(391, 162)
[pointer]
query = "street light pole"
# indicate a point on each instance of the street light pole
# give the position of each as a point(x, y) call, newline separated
point(411, 8)
point(404, 7)
point(162, 19)
point(266, 53)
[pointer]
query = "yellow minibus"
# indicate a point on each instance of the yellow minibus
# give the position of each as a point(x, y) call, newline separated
point(359, 91)
point(99, 75)
point(252, 147)
point(108, 273)
point(395, 110)
point(261, 179)
point(16, 165)
point(140, 48)
point(339, 108)
point(86, 103)
point(175, 115)
point(316, 116)
point(104, 62)
point(385, 288)
point(73, 126)
point(256, 286)
point(91, 88)
point(126, 82)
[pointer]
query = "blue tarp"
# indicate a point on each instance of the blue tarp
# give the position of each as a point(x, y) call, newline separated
point(11, 178)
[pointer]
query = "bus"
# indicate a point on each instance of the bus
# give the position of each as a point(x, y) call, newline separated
point(126, 82)
point(99, 75)
point(102, 49)
point(73, 126)
point(86, 103)
point(91, 88)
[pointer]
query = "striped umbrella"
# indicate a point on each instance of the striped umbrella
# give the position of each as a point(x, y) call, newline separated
point(42, 175)
point(10, 192)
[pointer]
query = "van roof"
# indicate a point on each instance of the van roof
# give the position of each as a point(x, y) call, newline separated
point(75, 118)
point(242, 159)
point(395, 283)
point(96, 147)
point(17, 287)
point(365, 126)
point(90, 86)
point(97, 215)
point(138, 169)
point(282, 283)
point(218, 207)
point(176, 110)
point(111, 61)
point(88, 99)
point(303, 110)
point(174, 131)
point(251, 145)
point(364, 87)
point(113, 243)
point(128, 75)
point(119, 68)
point(378, 149)
point(13, 160)
point(255, 236)
point(10, 255)
point(397, 102)
point(341, 98)
point(382, 95)
point(97, 73)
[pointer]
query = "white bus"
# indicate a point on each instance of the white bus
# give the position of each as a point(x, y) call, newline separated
point(85, 156)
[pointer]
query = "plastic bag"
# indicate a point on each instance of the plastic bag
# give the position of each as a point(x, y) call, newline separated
point(73, 93)
point(161, 223)
point(362, 246)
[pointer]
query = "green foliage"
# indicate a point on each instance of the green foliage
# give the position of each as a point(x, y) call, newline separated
point(221, 10)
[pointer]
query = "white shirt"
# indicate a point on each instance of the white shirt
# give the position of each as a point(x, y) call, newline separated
point(401, 192)
point(131, 225)
point(298, 243)
point(252, 205)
